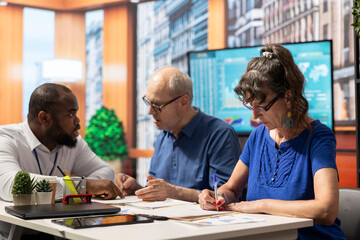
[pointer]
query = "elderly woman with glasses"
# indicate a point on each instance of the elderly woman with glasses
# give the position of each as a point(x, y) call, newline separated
point(288, 162)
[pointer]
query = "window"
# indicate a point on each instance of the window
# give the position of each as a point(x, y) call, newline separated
point(39, 42)
point(94, 22)
point(325, 31)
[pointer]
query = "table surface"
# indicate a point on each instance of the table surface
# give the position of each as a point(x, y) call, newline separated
point(171, 229)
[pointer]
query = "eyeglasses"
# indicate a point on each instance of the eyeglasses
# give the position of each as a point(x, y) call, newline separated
point(265, 109)
point(156, 107)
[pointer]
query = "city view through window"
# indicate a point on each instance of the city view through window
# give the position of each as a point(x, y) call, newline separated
point(167, 30)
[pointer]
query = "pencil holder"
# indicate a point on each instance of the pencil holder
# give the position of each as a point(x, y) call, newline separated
point(74, 186)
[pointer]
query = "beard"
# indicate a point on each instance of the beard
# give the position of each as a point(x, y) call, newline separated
point(57, 133)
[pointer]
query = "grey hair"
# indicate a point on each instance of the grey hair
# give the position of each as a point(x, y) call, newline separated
point(180, 84)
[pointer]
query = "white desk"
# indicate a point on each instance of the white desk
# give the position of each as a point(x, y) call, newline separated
point(274, 227)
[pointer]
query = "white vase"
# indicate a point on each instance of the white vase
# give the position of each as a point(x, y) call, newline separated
point(43, 197)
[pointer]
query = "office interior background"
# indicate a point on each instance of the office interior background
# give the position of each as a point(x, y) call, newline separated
point(115, 46)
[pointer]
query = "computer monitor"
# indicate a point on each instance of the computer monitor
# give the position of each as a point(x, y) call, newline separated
point(215, 73)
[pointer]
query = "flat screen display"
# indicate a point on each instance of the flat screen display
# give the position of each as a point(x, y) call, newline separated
point(215, 73)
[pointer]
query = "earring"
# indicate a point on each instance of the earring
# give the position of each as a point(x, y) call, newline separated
point(290, 119)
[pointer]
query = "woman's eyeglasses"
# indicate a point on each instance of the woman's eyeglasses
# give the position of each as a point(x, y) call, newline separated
point(265, 109)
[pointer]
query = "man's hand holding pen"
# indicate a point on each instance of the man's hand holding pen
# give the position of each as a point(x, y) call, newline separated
point(104, 188)
point(126, 184)
point(157, 190)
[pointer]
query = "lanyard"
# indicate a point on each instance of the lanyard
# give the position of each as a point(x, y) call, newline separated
point(37, 160)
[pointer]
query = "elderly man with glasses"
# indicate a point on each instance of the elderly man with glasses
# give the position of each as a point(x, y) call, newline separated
point(191, 147)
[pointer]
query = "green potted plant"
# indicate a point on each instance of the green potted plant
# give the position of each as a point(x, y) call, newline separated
point(43, 192)
point(22, 188)
point(106, 137)
point(356, 14)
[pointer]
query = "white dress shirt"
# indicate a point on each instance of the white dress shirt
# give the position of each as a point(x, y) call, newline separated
point(17, 144)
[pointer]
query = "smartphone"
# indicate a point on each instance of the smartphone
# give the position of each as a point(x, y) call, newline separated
point(102, 221)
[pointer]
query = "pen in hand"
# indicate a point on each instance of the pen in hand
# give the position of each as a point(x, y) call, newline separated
point(215, 190)
point(123, 180)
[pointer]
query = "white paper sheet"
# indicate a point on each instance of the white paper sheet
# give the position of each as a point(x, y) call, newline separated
point(177, 211)
point(226, 219)
point(118, 200)
point(158, 204)
point(191, 210)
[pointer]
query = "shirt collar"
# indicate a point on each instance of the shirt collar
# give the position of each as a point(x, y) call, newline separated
point(191, 126)
point(31, 139)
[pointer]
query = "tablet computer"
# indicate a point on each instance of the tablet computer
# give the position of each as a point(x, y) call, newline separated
point(102, 221)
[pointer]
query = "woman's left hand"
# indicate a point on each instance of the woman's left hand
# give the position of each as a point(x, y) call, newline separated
point(245, 207)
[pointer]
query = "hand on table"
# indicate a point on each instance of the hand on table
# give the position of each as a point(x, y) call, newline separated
point(245, 206)
point(157, 190)
point(104, 188)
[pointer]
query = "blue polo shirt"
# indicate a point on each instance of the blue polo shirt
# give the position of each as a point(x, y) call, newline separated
point(288, 173)
point(206, 145)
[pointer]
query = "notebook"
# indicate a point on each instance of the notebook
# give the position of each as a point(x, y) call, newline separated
point(60, 210)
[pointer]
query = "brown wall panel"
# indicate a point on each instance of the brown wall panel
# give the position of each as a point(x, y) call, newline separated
point(92, 4)
point(346, 157)
point(70, 42)
point(44, 4)
point(346, 163)
point(217, 24)
point(67, 5)
point(11, 58)
point(119, 65)
point(140, 153)
point(345, 140)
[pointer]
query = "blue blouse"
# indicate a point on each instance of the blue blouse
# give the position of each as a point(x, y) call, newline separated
point(287, 173)
point(206, 145)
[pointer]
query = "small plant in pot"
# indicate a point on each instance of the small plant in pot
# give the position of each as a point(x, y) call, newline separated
point(43, 192)
point(22, 188)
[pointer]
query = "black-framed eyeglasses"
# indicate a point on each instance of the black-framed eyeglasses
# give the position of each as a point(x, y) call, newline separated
point(156, 107)
point(265, 109)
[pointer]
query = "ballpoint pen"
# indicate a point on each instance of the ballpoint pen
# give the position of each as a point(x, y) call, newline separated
point(215, 190)
point(61, 171)
point(123, 180)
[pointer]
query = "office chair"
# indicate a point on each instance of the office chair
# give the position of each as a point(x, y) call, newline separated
point(349, 212)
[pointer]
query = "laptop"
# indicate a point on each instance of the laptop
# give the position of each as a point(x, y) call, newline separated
point(60, 210)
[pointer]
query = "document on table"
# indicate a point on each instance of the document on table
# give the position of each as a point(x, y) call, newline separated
point(158, 204)
point(119, 201)
point(188, 210)
point(171, 208)
point(136, 202)
point(227, 219)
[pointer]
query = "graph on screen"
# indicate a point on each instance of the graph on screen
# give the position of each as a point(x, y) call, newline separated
point(215, 73)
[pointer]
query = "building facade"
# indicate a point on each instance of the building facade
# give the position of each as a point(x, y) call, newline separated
point(245, 23)
point(166, 31)
point(288, 21)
